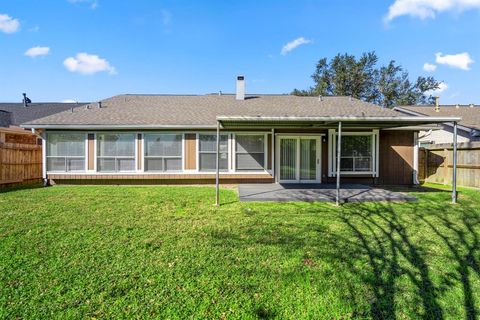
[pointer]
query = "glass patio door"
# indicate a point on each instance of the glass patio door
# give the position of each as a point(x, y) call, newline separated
point(299, 159)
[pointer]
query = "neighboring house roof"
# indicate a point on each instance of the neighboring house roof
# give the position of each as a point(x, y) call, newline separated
point(470, 115)
point(203, 110)
point(5, 118)
point(14, 114)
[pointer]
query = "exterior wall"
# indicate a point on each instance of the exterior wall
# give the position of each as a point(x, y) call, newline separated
point(395, 157)
point(190, 151)
point(91, 152)
point(190, 174)
point(444, 136)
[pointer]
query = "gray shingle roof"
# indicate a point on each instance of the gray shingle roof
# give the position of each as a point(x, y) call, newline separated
point(15, 113)
point(202, 110)
point(470, 116)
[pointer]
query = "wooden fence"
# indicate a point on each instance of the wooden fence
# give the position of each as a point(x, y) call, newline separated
point(20, 157)
point(436, 164)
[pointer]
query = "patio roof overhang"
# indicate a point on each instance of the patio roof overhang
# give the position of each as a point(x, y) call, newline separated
point(263, 122)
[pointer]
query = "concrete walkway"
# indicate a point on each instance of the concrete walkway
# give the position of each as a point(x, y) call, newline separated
point(317, 192)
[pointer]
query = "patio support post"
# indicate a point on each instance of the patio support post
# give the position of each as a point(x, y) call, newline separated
point(217, 168)
point(454, 178)
point(339, 152)
point(272, 156)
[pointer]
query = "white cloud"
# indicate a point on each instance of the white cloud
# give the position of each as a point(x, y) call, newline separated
point(85, 63)
point(93, 3)
point(459, 60)
point(34, 29)
point(429, 67)
point(294, 44)
point(8, 24)
point(425, 9)
point(37, 51)
point(441, 88)
point(69, 101)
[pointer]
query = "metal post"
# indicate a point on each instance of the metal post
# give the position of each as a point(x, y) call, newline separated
point(339, 152)
point(217, 168)
point(454, 180)
point(272, 156)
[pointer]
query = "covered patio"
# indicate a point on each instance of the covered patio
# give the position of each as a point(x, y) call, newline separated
point(318, 192)
point(329, 192)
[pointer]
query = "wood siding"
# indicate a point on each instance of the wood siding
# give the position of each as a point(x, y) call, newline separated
point(157, 178)
point(190, 151)
point(139, 151)
point(396, 158)
point(91, 151)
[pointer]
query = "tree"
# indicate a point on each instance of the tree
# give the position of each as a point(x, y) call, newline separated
point(363, 79)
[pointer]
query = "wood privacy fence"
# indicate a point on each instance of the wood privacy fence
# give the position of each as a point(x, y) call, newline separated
point(20, 157)
point(436, 164)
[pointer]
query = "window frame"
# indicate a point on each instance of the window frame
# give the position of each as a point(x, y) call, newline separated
point(265, 152)
point(85, 154)
point(144, 157)
point(332, 152)
point(135, 156)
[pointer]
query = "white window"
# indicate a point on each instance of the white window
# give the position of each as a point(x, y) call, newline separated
point(207, 151)
point(115, 152)
point(358, 153)
point(65, 152)
point(249, 152)
point(163, 152)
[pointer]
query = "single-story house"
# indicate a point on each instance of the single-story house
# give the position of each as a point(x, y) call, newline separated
point(468, 127)
point(261, 138)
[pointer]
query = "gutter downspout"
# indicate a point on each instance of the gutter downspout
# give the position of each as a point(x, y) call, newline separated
point(217, 168)
point(339, 152)
point(416, 150)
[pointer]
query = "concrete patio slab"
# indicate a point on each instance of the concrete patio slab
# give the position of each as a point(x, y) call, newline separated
point(318, 192)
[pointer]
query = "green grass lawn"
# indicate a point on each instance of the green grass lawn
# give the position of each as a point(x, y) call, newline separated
point(167, 252)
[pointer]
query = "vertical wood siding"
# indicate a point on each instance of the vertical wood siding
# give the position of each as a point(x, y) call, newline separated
point(396, 158)
point(139, 151)
point(91, 151)
point(190, 151)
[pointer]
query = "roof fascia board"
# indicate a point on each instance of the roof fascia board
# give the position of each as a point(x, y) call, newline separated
point(109, 127)
point(337, 119)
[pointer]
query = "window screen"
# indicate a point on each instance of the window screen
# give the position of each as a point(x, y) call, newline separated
point(163, 152)
point(250, 152)
point(115, 152)
point(65, 152)
point(207, 151)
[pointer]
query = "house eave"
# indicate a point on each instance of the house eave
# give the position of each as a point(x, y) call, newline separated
point(113, 127)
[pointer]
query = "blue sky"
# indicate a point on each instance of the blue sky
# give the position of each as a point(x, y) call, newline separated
point(86, 50)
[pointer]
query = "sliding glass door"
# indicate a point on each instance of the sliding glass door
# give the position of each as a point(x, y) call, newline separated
point(299, 159)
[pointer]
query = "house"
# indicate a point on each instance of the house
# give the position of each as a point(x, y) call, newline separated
point(261, 138)
point(468, 127)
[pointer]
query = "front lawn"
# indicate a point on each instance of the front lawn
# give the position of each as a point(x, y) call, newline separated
point(167, 252)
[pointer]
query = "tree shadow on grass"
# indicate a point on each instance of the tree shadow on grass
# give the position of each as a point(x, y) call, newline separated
point(383, 238)
point(384, 245)
point(463, 245)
